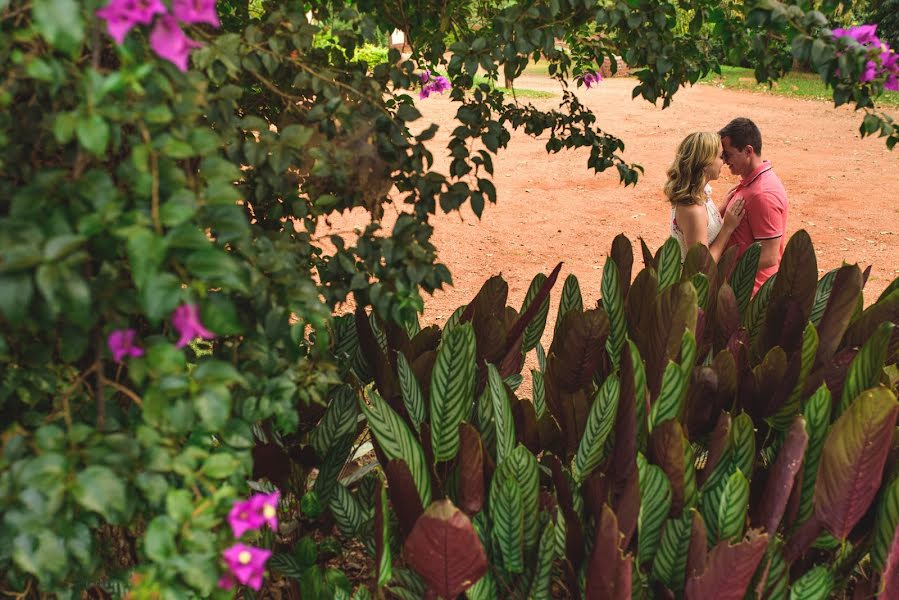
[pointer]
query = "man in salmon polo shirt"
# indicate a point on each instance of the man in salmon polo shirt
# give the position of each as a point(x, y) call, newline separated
point(764, 197)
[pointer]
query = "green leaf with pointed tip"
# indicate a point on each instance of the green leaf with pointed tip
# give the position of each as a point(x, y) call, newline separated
point(639, 392)
point(669, 403)
point(885, 525)
point(571, 298)
point(521, 466)
point(453, 321)
point(822, 295)
point(670, 564)
point(733, 507)
point(398, 443)
point(534, 330)
point(867, 366)
point(669, 263)
point(784, 416)
point(742, 280)
point(502, 414)
point(743, 444)
point(816, 584)
point(507, 516)
point(413, 399)
point(817, 421)
point(600, 422)
point(758, 306)
point(339, 420)
point(701, 283)
point(452, 389)
point(852, 460)
point(655, 502)
point(346, 510)
point(541, 357)
point(778, 577)
point(483, 589)
point(541, 584)
point(613, 303)
point(539, 392)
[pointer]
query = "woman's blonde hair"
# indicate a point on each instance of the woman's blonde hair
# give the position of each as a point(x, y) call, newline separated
point(686, 175)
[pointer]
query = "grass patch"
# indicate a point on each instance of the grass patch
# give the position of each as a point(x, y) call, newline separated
point(519, 92)
point(795, 85)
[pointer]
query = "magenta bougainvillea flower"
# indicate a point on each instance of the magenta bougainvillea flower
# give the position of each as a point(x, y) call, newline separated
point(863, 34)
point(432, 85)
point(247, 564)
point(882, 59)
point(245, 516)
point(170, 43)
point(591, 79)
point(186, 318)
point(196, 11)
point(267, 505)
point(122, 15)
point(121, 344)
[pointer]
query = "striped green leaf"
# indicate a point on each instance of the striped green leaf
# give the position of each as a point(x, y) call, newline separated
point(778, 577)
point(540, 586)
point(385, 564)
point(687, 355)
point(733, 507)
point(379, 333)
point(613, 304)
point(866, 367)
point(346, 510)
point(453, 321)
point(885, 525)
point(561, 532)
point(742, 280)
point(412, 326)
point(670, 563)
point(691, 492)
point(758, 306)
point(817, 411)
point(339, 420)
point(507, 517)
point(814, 585)
point(668, 404)
point(655, 502)
point(346, 340)
point(894, 285)
point(822, 295)
point(701, 282)
point(286, 565)
point(513, 381)
point(539, 392)
point(408, 580)
point(452, 389)
point(521, 466)
point(600, 422)
point(784, 416)
point(362, 593)
point(398, 442)
point(413, 399)
point(743, 444)
point(669, 263)
point(341, 594)
point(483, 589)
point(484, 419)
point(534, 330)
point(639, 392)
point(541, 357)
point(571, 299)
point(502, 415)
point(331, 467)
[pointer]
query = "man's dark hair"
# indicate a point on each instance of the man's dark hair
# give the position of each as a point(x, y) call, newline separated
point(743, 132)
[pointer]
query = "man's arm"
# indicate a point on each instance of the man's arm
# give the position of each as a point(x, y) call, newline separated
point(770, 252)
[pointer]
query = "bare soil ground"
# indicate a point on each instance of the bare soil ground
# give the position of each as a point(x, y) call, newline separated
point(551, 208)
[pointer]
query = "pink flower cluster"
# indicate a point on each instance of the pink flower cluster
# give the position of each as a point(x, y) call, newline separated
point(882, 60)
point(591, 79)
point(432, 85)
point(246, 564)
point(166, 39)
point(185, 320)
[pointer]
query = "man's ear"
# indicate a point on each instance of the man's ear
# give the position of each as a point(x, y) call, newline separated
point(750, 150)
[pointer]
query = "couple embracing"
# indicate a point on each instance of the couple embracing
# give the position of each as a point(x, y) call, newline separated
point(754, 211)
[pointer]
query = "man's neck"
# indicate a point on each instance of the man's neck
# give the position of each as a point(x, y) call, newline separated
point(754, 164)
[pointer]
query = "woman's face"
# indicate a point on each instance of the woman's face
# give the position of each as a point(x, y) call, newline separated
point(714, 169)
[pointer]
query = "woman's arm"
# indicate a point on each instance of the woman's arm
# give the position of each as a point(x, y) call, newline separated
point(732, 217)
point(693, 220)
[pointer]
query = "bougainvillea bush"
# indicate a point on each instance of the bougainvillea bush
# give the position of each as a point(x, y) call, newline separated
point(168, 273)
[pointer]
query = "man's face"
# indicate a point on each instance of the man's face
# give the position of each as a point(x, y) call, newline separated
point(737, 160)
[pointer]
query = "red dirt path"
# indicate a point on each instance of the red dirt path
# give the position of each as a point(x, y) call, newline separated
point(550, 208)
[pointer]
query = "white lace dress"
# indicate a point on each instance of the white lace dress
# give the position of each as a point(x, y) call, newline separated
point(715, 223)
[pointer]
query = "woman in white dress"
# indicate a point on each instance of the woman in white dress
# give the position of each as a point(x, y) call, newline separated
point(694, 216)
